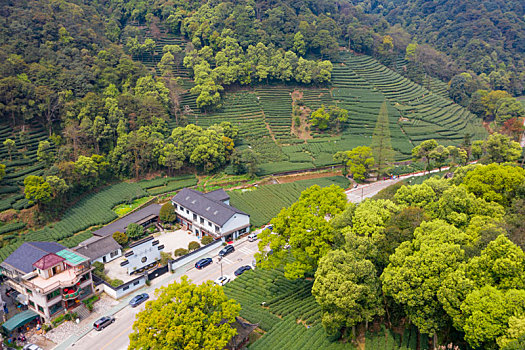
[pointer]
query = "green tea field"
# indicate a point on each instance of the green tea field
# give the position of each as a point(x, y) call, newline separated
point(291, 319)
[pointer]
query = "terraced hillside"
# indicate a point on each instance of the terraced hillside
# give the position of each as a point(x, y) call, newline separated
point(21, 163)
point(424, 114)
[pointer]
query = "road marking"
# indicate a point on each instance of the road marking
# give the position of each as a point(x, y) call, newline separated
point(116, 337)
point(246, 251)
point(227, 261)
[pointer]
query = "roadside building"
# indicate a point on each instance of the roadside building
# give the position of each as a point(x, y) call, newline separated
point(209, 214)
point(102, 249)
point(142, 254)
point(51, 277)
point(146, 216)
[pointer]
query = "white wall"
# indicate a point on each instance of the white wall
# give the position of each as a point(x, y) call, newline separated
point(108, 257)
point(145, 250)
point(195, 256)
point(119, 292)
point(236, 221)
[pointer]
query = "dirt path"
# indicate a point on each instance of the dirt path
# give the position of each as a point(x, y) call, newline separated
point(301, 131)
point(308, 176)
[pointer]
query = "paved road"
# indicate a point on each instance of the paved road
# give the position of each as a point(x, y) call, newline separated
point(361, 192)
point(116, 336)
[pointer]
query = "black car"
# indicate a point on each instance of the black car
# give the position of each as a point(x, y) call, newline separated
point(203, 263)
point(139, 299)
point(103, 322)
point(226, 250)
point(241, 270)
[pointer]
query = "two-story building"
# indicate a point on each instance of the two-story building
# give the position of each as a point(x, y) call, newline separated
point(52, 277)
point(210, 214)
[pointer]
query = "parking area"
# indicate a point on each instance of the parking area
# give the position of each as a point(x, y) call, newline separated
point(171, 240)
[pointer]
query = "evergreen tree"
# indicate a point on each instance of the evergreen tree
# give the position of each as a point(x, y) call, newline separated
point(381, 142)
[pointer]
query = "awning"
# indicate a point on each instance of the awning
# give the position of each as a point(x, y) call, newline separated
point(19, 320)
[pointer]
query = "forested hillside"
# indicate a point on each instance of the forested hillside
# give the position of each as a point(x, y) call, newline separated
point(485, 36)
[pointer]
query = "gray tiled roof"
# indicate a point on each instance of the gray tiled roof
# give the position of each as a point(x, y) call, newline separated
point(96, 247)
point(218, 195)
point(28, 253)
point(212, 210)
point(121, 224)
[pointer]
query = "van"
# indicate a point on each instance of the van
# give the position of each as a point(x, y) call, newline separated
point(252, 237)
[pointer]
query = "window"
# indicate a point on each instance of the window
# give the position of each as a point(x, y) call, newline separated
point(41, 309)
point(243, 230)
point(187, 211)
point(126, 287)
point(136, 283)
point(55, 308)
point(29, 291)
point(53, 294)
point(209, 223)
point(216, 228)
point(113, 254)
point(31, 304)
point(195, 217)
point(144, 259)
point(202, 221)
point(181, 208)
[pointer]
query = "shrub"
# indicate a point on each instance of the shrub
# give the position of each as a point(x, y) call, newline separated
point(99, 269)
point(193, 246)
point(90, 301)
point(8, 215)
point(116, 282)
point(46, 327)
point(121, 238)
point(164, 258)
point(180, 252)
point(58, 320)
point(206, 240)
point(167, 213)
point(135, 231)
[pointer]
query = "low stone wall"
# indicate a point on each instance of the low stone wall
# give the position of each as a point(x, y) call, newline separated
point(194, 255)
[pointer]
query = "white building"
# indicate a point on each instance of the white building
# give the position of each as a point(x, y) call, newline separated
point(102, 249)
point(209, 214)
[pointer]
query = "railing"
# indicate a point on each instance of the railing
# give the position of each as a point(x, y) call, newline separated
point(57, 284)
point(71, 295)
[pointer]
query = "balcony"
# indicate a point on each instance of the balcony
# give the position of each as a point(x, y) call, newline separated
point(71, 295)
point(66, 278)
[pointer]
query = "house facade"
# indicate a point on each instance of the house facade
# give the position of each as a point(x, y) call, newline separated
point(51, 277)
point(209, 214)
point(142, 254)
point(102, 249)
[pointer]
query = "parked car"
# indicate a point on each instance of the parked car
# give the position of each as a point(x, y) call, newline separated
point(241, 270)
point(252, 237)
point(138, 299)
point(221, 281)
point(203, 263)
point(31, 347)
point(226, 250)
point(103, 322)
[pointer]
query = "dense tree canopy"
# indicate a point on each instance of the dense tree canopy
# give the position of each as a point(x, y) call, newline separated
point(185, 316)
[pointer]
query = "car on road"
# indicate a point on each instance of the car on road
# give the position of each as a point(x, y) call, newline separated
point(31, 347)
point(252, 237)
point(138, 299)
point(226, 250)
point(103, 322)
point(203, 263)
point(221, 281)
point(241, 270)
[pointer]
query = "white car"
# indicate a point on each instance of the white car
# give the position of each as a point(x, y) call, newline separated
point(221, 281)
point(32, 347)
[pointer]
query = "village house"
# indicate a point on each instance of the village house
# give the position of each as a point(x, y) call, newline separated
point(51, 277)
point(210, 214)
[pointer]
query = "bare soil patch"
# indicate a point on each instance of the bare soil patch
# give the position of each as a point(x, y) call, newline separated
point(307, 176)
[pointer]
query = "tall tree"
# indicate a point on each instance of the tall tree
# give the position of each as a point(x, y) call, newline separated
point(304, 229)
point(347, 289)
point(185, 316)
point(381, 142)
